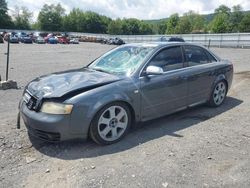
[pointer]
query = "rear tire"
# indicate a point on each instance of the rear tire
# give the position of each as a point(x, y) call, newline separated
point(111, 123)
point(218, 94)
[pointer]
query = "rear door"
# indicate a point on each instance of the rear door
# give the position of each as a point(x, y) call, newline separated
point(163, 94)
point(200, 70)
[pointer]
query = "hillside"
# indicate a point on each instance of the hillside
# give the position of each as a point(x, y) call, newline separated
point(208, 18)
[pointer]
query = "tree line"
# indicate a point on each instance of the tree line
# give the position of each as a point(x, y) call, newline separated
point(224, 20)
point(53, 17)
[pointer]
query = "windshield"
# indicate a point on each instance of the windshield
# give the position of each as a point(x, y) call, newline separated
point(123, 60)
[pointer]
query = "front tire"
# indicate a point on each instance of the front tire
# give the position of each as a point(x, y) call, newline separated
point(111, 123)
point(218, 94)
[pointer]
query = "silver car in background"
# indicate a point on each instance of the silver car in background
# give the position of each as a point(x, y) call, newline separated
point(131, 83)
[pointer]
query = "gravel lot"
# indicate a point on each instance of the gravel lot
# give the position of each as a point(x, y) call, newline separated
point(199, 147)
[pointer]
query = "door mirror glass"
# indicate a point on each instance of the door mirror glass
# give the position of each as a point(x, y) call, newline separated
point(154, 70)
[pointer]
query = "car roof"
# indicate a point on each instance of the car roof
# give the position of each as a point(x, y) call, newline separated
point(158, 45)
point(161, 44)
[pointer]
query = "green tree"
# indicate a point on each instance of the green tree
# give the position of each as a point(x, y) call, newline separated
point(5, 19)
point(244, 25)
point(75, 21)
point(162, 27)
point(184, 25)
point(96, 23)
point(145, 28)
point(22, 17)
point(222, 9)
point(130, 26)
point(172, 23)
point(34, 26)
point(50, 17)
point(220, 23)
point(197, 21)
point(198, 24)
point(236, 17)
point(80, 21)
point(115, 27)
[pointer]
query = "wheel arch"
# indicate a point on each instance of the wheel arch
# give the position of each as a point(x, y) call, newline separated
point(219, 78)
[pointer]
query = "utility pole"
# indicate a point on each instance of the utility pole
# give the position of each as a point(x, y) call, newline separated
point(8, 84)
point(8, 54)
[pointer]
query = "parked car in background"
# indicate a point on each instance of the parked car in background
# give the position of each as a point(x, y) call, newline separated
point(176, 39)
point(104, 40)
point(74, 41)
point(43, 34)
point(82, 39)
point(50, 35)
point(2, 34)
point(40, 40)
point(6, 36)
point(110, 41)
point(13, 38)
point(99, 39)
point(129, 84)
point(1, 39)
point(171, 39)
point(26, 39)
point(52, 40)
point(116, 41)
point(20, 35)
point(35, 36)
point(63, 39)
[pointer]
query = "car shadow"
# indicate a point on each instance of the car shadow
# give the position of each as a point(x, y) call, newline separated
point(144, 132)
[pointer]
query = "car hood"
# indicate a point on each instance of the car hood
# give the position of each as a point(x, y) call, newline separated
point(60, 84)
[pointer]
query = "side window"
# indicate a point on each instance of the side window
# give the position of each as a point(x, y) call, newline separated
point(210, 57)
point(195, 55)
point(168, 59)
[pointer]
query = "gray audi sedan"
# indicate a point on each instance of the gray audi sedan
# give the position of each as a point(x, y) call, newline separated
point(131, 83)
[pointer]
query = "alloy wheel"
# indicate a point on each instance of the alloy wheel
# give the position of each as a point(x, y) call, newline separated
point(219, 93)
point(112, 123)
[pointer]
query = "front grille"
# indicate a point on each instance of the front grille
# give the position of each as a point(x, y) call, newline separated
point(32, 103)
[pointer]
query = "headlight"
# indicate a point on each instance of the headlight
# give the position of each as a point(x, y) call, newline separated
point(56, 108)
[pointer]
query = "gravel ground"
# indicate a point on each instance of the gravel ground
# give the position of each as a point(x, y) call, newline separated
point(199, 147)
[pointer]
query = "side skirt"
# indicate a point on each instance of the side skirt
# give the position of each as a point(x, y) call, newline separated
point(177, 110)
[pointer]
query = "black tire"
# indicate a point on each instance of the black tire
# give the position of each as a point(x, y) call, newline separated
point(94, 133)
point(212, 101)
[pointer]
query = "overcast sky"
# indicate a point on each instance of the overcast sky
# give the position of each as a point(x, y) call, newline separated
point(141, 9)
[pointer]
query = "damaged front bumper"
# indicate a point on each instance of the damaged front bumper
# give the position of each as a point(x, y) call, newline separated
point(45, 126)
point(52, 127)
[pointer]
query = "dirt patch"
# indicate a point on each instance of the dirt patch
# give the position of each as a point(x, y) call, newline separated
point(245, 74)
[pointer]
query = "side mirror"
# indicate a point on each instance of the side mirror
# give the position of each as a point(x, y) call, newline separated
point(154, 70)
